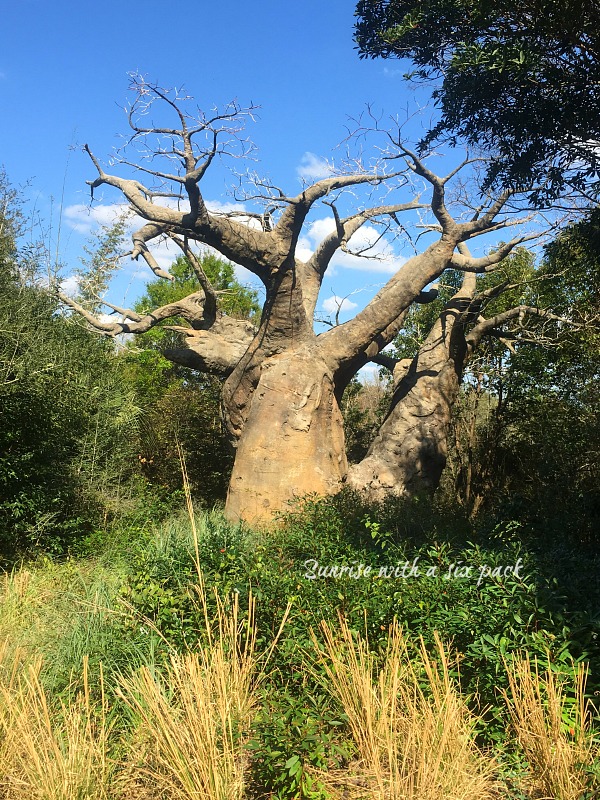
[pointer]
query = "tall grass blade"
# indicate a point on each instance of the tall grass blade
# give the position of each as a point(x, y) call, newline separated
point(413, 742)
point(553, 730)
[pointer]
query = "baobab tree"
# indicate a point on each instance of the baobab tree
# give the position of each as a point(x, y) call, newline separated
point(283, 378)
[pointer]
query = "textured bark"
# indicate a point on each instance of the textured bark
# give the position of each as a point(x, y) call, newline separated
point(283, 382)
point(281, 402)
point(410, 450)
point(217, 350)
point(293, 439)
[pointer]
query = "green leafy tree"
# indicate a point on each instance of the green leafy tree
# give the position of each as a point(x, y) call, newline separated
point(235, 300)
point(520, 78)
point(525, 428)
point(63, 413)
point(552, 424)
point(364, 406)
point(54, 424)
point(182, 409)
point(100, 262)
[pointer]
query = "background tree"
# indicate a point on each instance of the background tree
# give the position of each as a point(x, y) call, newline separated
point(181, 408)
point(64, 412)
point(548, 420)
point(521, 79)
point(61, 416)
point(284, 381)
point(434, 349)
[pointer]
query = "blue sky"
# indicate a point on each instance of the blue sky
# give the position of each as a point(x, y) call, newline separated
point(63, 82)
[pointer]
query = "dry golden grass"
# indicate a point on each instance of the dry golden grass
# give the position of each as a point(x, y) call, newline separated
point(50, 752)
point(411, 743)
point(194, 721)
point(553, 732)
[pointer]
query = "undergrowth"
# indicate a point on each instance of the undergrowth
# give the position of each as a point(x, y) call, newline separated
point(363, 607)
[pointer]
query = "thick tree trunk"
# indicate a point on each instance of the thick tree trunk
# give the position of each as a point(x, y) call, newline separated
point(283, 380)
point(410, 449)
point(409, 453)
point(292, 442)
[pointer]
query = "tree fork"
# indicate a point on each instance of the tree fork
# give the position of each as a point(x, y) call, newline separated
point(282, 380)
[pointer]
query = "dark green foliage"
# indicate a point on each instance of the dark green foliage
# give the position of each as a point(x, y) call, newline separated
point(187, 419)
point(181, 408)
point(180, 411)
point(87, 435)
point(235, 300)
point(521, 79)
point(526, 429)
point(54, 435)
point(65, 415)
point(363, 407)
point(554, 392)
point(292, 733)
point(551, 608)
point(50, 371)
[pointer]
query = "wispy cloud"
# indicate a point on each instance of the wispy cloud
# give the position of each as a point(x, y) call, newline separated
point(313, 167)
point(392, 73)
point(335, 304)
point(87, 219)
point(378, 255)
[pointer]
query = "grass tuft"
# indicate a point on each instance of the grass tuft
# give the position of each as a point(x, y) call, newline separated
point(194, 722)
point(413, 733)
point(553, 729)
point(51, 751)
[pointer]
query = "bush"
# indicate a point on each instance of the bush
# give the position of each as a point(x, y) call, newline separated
point(546, 609)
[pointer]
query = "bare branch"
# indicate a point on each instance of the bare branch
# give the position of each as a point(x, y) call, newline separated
point(290, 223)
point(210, 305)
point(384, 360)
point(110, 328)
point(346, 228)
point(125, 312)
point(493, 325)
point(438, 205)
point(481, 222)
point(248, 247)
point(490, 262)
point(191, 308)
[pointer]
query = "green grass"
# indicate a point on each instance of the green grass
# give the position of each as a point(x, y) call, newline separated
point(134, 606)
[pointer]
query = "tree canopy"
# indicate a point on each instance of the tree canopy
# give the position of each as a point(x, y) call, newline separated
point(521, 79)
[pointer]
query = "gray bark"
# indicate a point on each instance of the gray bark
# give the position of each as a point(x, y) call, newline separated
point(283, 382)
point(409, 452)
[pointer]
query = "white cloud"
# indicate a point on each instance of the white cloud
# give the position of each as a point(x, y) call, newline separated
point(304, 248)
point(313, 167)
point(381, 256)
point(334, 304)
point(217, 207)
point(85, 219)
point(70, 286)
